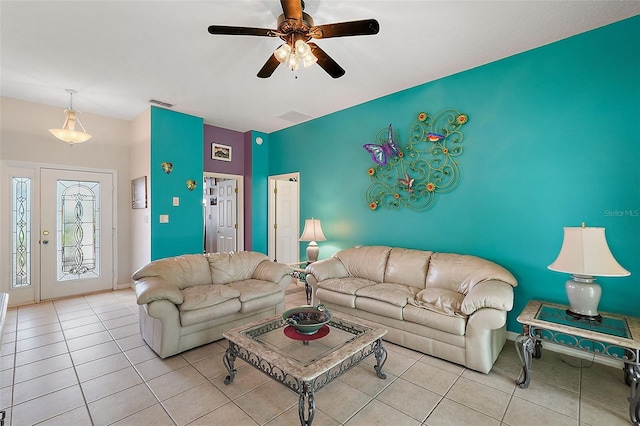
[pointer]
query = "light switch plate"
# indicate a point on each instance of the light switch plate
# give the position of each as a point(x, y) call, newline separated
point(176, 201)
point(164, 218)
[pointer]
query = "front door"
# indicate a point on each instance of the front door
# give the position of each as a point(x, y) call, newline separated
point(76, 232)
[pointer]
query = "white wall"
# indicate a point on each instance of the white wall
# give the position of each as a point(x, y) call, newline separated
point(24, 137)
point(140, 222)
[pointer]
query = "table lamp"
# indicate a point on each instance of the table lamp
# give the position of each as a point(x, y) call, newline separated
point(585, 254)
point(312, 232)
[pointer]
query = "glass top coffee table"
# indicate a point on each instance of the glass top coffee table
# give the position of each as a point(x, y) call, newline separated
point(305, 363)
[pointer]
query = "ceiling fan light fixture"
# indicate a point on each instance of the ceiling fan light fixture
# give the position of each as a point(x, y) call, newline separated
point(309, 60)
point(302, 49)
point(68, 132)
point(292, 63)
point(282, 53)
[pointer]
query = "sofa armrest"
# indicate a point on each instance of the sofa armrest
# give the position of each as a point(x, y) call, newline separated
point(271, 271)
point(488, 294)
point(327, 268)
point(150, 289)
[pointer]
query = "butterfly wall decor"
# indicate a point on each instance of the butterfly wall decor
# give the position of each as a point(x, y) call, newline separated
point(412, 173)
point(381, 153)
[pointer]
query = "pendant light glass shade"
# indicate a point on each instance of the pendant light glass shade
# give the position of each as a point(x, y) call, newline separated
point(68, 132)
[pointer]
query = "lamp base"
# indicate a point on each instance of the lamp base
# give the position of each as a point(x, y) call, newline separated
point(312, 251)
point(575, 315)
point(584, 296)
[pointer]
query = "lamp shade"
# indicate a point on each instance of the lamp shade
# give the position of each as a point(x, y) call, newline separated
point(312, 231)
point(585, 252)
point(68, 132)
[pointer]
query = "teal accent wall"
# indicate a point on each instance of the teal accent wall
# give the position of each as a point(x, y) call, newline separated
point(176, 138)
point(553, 140)
point(259, 181)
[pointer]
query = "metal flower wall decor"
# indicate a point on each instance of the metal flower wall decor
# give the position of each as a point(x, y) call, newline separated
point(411, 174)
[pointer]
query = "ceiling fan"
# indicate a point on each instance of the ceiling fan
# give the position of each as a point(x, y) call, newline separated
point(296, 28)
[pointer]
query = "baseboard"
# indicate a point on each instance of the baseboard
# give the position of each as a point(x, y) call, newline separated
point(122, 286)
point(554, 347)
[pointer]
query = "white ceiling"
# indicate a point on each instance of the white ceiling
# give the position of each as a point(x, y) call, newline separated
point(120, 54)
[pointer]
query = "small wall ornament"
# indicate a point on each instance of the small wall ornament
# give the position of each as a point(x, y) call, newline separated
point(411, 174)
point(167, 167)
point(191, 184)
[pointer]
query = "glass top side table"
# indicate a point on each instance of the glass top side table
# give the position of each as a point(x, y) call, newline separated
point(300, 274)
point(615, 336)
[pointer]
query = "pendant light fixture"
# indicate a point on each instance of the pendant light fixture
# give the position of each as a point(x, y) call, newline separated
point(68, 133)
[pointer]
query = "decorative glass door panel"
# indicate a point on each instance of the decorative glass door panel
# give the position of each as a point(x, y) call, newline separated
point(76, 233)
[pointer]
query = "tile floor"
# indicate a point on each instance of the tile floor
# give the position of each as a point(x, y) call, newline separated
point(81, 361)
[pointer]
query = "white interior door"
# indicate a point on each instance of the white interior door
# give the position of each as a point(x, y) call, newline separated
point(76, 232)
point(227, 232)
point(284, 219)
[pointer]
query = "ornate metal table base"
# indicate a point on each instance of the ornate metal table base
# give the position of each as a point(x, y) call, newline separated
point(528, 345)
point(305, 389)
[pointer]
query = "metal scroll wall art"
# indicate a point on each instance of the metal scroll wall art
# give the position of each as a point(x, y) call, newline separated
point(411, 174)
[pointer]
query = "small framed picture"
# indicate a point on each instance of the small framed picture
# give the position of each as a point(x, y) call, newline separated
point(220, 152)
point(139, 193)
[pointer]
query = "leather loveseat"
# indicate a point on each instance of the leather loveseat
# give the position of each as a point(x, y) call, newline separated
point(190, 300)
point(447, 305)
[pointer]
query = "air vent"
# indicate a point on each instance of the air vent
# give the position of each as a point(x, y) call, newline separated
point(295, 117)
point(160, 103)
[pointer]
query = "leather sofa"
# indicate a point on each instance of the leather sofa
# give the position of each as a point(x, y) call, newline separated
point(190, 300)
point(447, 305)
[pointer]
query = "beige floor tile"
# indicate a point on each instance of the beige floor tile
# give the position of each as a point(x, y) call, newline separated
point(552, 397)
point(443, 364)
point(175, 382)
point(410, 399)
point(38, 331)
point(92, 369)
point(107, 306)
point(430, 377)
point(228, 414)
point(40, 368)
point(43, 385)
point(363, 377)
point(601, 372)
point(194, 403)
point(291, 417)
point(77, 417)
point(395, 363)
point(267, 401)
point(152, 416)
point(496, 378)
point(47, 406)
point(563, 377)
point(10, 336)
point(377, 413)
point(94, 352)
point(212, 349)
point(7, 361)
point(450, 413)
point(596, 413)
point(109, 384)
point(39, 322)
point(401, 350)
point(247, 378)
point(613, 392)
point(121, 321)
point(482, 398)
point(38, 341)
point(125, 331)
point(37, 354)
point(88, 340)
point(8, 348)
point(140, 354)
point(120, 311)
point(525, 413)
point(6, 397)
point(83, 330)
point(120, 405)
point(77, 318)
point(131, 342)
point(340, 401)
point(155, 367)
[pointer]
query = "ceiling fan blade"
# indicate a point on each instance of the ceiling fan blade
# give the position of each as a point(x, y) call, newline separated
point(344, 29)
point(269, 67)
point(292, 9)
point(226, 30)
point(326, 62)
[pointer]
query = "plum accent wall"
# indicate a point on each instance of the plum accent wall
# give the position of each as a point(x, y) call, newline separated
point(226, 137)
point(176, 138)
point(553, 140)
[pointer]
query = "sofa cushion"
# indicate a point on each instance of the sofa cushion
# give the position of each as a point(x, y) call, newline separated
point(181, 271)
point(396, 294)
point(341, 299)
point(202, 296)
point(255, 289)
point(229, 267)
point(437, 321)
point(220, 310)
point(440, 300)
point(406, 266)
point(379, 307)
point(345, 285)
point(366, 262)
point(460, 273)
